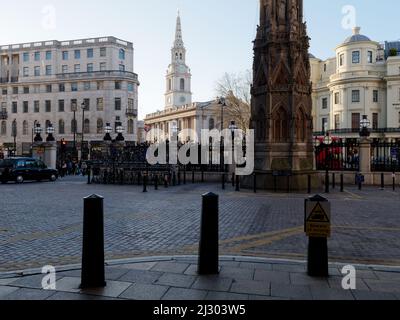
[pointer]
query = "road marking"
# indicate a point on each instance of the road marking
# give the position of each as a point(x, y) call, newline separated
point(367, 228)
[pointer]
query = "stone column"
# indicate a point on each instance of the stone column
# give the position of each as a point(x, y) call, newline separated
point(51, 155)
point(365, 155)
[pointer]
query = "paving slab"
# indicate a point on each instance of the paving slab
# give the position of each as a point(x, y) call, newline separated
point(4, 291)
point(226, 296)
point(33, 282)
point(237, 273)
point(304, 279)
point(68, 284)
point(383, 285)
point(289, 267)
point(29, 294)
point(141, 276)
point(256, 266)
point(5, 282)
point(140, 291)
point(291, 291)
point(112, 290)
point(171, 267)
point(68, 296)
point(370, 295)
point(213, 283)
point(176, 280)
point(184, 294)
point(335, 282)
point(272, 276)
point(320, 293)
point(138, 266)
point(251, 287)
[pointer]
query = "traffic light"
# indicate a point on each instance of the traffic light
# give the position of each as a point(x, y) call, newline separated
point(63, 146)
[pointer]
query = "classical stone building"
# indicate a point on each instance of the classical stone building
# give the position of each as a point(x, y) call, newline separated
point(45, 82)
point(281, 93)
point(361, 79)
point(180, 112)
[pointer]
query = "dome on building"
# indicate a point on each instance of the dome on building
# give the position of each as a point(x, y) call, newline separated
point(356, 37)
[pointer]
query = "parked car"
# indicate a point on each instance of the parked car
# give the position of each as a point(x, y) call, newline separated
point(25, 169)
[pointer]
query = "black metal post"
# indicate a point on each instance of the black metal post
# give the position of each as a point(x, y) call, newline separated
point(382, 181)
point(333, 180)
point(89, 169)
point(174, 179)
point(359, 183)
point(327, 181)
point(233, 179)
point(394, 181)
point(318, 257)
point(237, 183)
point(208, 249)
point(166, 181)
point(93, 270)
point(223, 181)
point(342, 183)
point(156, 182)
point(145, 183)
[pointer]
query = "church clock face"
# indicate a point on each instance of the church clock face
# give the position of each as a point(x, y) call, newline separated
point(182, 99)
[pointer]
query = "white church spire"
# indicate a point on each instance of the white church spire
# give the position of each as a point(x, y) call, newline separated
point(178, 91)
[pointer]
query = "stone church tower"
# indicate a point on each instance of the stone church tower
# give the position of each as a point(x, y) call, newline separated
point(178, 91)
point(281, 92)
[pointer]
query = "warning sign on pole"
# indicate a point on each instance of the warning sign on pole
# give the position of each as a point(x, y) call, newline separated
point(318, 217)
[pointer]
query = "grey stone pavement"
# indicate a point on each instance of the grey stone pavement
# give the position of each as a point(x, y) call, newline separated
point(176, 279)
point(41, 224)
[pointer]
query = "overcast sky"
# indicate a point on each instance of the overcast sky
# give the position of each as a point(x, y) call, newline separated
point(218, 34)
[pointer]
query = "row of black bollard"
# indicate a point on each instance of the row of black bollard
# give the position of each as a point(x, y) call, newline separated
point(333, 180)
point(382, 181)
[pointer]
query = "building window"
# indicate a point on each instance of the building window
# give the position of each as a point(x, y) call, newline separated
point(355, 121)
point(122, 54)
point(61, 127)
point(26, 72)
point(74, 86)
point(14, 107)
point(103, 52)
point(61, 87)
point(376, 96)
point(37, 56)
point(25, 107)
point(103, 66)
point(48, 55)
point(131, 104)
point(25, 128)
point(130, 86)
point(74, 105)
point(355, 96)
point(90, 67)
point(324, 103)
point(61, 105)
point(90, 53)
point(26, 56)
point(324, 124)
point(100, 125)
point(117, 85)
point(49, 70)
point(36, 106)
point(99, 85)
point(49, 88)
point(375, 121)
point(370, 56)
point(65, 55)
point(86, 85)
point(341, 60)
point(4, 91)
point(77, 54)
point(337, 121)
point(131, 128)
point(356, 57)
point(37, 71)
point(48, 105)
point(122, 68)
point(77, 68)
point(26, 90)
point(211, 124)
point(117, 104)
point(15, 90)
point(87, 126)
point(36, 89)
point(64, 69)
point(182, 84)
point(337, 98)
point(99, 104)
point(3, 128)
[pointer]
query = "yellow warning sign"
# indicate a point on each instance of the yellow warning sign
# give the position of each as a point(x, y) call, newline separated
point(318, 219)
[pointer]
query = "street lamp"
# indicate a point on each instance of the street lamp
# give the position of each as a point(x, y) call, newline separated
point(222, 102)
point(38, 131)
point(120, 137)
point(50, 131)
point(74, 109)
point(233, 127)
point(364, 126)
point(327, 143)
point(108, 129)
point(14, 134)
point(83, 106)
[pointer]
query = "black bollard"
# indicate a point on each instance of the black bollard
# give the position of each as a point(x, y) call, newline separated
point(237, 183)
point(121, 177)
point(174, 179)
point(223, 181)
point(359, 184)
point(139, 178)
point(333, 181)
point(255, 182)
point(208, 249)
point(156, 182)
point(233, 179)
point(342, 183)
point(89, 180)
point(318, 257)
point(166, 181)
point(382, 181)
point(394, 181)
point(93, 270)
point(309, 184)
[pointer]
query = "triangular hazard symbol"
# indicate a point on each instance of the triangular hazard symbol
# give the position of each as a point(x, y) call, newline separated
point(318, 214)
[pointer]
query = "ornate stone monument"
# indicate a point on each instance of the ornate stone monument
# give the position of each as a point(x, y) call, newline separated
point(281, 97)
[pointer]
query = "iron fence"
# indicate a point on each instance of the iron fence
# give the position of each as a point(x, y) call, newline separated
point(340, 155)
point(385, 156)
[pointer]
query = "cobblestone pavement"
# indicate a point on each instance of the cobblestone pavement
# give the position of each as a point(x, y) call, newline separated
point(41, 223)
point(239, 278)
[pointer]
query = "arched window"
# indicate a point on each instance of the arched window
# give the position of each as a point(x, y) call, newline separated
point(169, 84)
point(211, 124)
point(47, 125)
point(301, 126)
point(181, 56)
point(100, 125)
point(4, 128)
point(87, 126)
point(14, 127)
point(73, 126)
point(122, 54)
point(281, 125)
point(182, 86)
point(25, 128)
point(130, 127)
point(61, 127)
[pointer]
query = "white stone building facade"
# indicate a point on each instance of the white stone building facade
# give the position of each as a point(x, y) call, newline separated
point(44, 82)
point(358, 81)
